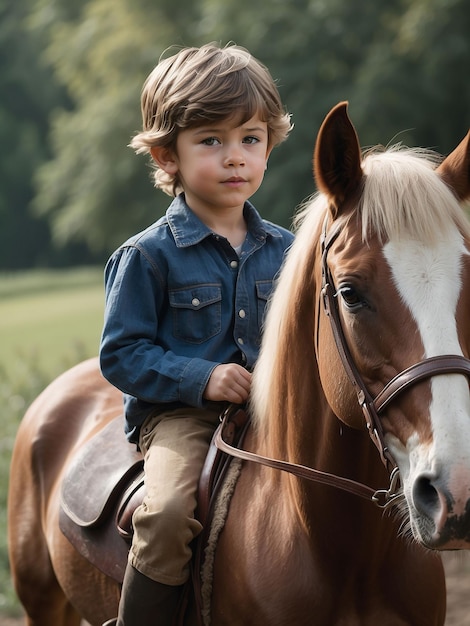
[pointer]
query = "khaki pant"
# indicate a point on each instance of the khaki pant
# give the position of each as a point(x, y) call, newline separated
point(174, 445)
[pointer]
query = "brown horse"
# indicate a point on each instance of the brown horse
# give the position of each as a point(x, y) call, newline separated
point(366, 342)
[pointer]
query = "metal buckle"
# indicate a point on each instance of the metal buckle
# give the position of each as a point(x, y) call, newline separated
point(384, 498)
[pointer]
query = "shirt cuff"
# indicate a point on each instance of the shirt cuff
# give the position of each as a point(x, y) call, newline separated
point(193, 382)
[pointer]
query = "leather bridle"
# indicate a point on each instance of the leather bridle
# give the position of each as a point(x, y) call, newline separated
point(371, 407)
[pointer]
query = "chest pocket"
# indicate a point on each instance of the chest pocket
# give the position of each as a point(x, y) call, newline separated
point(197, 312)
point(263, 292)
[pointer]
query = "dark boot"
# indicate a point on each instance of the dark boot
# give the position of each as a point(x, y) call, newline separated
point(145, 602)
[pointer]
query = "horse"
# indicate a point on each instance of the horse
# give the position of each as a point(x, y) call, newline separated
point(360, 417)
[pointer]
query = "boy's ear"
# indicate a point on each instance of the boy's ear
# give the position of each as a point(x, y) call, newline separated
point(268, 152)
point(165, 158)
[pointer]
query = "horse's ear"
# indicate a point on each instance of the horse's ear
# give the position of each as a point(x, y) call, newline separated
point(455, 169)
point(337, 157)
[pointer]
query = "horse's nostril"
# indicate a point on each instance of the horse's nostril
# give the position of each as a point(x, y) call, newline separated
point(425, 496)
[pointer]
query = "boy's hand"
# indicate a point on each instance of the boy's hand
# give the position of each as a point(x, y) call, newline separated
point(228, 382)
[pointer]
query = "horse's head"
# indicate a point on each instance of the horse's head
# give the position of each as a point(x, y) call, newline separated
point(397, 279)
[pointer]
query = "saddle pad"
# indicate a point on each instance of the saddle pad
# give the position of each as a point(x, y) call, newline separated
point(97, 475)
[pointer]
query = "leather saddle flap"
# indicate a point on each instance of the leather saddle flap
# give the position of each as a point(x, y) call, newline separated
point(98, 475)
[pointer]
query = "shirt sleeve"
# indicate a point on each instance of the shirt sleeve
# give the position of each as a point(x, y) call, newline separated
point(130, 357)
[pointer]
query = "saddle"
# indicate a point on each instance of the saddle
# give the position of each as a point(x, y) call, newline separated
point(105, 483)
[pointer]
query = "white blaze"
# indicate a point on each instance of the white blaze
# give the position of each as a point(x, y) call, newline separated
point(428, 279)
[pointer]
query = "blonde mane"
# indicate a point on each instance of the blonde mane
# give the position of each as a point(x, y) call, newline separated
point(285, 323)
point(402, 196)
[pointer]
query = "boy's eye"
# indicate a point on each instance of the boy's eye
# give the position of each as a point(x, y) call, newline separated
point(250, 139)
point(210, 141)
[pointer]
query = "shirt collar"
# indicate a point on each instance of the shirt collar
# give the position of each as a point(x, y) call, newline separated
point(188, 229)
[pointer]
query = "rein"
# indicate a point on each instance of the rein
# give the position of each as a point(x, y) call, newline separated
point(371, 407)
point(381, 497)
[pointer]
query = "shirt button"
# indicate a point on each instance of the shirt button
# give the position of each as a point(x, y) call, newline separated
point(233, 264)
point(195, 302)
point(241, 313)
point(240, 341)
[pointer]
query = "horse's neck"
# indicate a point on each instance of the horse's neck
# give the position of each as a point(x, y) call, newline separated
point(340, 449)
point(346, 452)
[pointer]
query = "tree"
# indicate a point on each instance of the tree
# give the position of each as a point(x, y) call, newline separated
point(400, 65)
point(28, 92)
point(95, 189)
point(413, 85)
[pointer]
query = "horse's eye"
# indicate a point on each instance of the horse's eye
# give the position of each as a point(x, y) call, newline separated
point(350, 296)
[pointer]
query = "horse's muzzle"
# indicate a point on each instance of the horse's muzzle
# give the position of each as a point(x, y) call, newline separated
point(440, 511)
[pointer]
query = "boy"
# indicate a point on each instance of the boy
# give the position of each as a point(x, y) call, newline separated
point(185, 298)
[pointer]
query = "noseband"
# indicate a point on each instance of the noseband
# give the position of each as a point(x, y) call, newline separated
point(371, 407)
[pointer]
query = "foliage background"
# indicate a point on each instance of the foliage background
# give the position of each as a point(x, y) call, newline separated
point(71, 73)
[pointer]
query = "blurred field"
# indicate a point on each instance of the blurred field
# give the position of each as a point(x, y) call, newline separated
point(49, 320)
point(48, 317)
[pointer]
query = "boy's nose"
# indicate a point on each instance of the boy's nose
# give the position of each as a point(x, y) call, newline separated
point(234, 158)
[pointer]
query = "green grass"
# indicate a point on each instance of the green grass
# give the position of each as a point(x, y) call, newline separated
point(49, 321)
point(47, 316)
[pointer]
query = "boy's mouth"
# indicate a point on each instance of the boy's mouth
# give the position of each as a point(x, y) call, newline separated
point(235, 180)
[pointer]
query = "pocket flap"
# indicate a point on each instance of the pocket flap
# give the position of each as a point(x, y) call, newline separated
point(264, 289)
point(195, 297)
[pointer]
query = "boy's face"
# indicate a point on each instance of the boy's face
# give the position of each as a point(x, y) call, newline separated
point(220, 165)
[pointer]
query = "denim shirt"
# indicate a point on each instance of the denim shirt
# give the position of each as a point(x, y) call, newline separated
point(180, 301)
